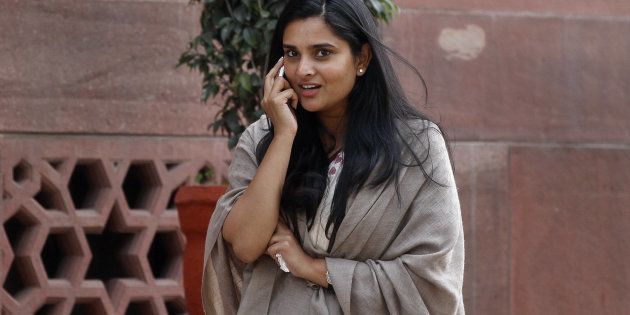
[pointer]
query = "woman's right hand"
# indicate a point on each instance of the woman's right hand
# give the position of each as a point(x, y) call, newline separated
point(277, 95)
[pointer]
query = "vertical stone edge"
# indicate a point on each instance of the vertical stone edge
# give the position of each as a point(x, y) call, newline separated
point(481, 171)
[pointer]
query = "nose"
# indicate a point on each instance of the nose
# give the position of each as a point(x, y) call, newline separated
point(305, 68)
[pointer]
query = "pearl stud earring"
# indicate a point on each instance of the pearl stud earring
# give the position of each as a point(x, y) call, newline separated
point(360, 70)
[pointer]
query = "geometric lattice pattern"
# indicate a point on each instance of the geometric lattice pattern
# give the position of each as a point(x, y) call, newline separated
point(90, 227)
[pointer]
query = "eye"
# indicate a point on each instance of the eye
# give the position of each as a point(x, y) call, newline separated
point(323, 53)
point(290, 53)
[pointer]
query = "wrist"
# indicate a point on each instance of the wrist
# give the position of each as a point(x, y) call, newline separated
point(285, 134)
point(315, 271)
point(282, 142)
point(306, 270)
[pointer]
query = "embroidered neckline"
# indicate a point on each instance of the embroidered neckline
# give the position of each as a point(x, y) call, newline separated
point(335, 155)
point(336, 163)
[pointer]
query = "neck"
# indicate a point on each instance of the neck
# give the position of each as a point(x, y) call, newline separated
point(335, 126)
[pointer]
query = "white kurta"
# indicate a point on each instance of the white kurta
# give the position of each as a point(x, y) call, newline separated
point(317, 233)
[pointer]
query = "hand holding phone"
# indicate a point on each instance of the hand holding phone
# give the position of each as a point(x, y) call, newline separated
point(280, 100)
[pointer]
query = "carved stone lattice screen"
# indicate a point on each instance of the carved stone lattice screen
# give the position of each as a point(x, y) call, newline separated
point(89, 224)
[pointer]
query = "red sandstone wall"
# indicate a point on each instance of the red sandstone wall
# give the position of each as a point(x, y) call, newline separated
point(97, 130)
point(535, 95)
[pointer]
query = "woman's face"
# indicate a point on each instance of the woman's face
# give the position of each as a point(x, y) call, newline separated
point(319, 65)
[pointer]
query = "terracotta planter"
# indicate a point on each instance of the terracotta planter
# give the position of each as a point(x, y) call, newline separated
point(195, 205)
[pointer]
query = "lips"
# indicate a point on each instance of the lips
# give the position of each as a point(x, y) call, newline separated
point(309, 86)
point(309, 89)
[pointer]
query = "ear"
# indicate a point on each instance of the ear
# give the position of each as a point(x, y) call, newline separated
point(363, 59)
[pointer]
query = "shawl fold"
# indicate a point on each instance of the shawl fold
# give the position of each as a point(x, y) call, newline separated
point(395, 253)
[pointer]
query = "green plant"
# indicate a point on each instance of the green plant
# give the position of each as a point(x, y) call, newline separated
point(231, 52)
point(204, 176)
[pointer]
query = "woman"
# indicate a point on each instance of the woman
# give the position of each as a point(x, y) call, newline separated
point(343, 185)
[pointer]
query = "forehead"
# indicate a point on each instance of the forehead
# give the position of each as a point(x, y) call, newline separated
point(310, 31)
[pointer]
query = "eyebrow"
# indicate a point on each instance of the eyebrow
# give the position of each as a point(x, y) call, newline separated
point(323, 45)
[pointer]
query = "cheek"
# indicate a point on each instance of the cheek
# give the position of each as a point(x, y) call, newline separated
point(290, 69)
point(345, 85)
point(341, 81)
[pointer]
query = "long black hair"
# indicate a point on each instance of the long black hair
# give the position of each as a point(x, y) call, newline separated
point(378, 110)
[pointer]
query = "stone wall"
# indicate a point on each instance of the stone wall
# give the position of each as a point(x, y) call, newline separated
point(97, 130)
point(90, 225)
point(536, 98)
point(533, 94)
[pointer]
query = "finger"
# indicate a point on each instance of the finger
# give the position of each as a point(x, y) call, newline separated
point(281, 97)
point(272, 74)
point(277, 248)
point(281, 228)
point(282, 219)
point(279, 84)
point(294, 100)
point(285, 96)
point(282, 224)
point(277, 238)
point(274, 239)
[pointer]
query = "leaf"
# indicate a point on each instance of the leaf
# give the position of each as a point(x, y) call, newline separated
point(205, 93)
point(216, 125)
point(276, 8)
point(250, 37)
point(233, 141)
point(206, 39)
point(231, 120)
point(241, 14)
point(214, 89)
point(224, 21)
point(225, 32)
point(256, 80)
point(185, 58)
point(244, 80)
point(376, 4)
point(236, 40)
point(260, 23)
point(271, 25)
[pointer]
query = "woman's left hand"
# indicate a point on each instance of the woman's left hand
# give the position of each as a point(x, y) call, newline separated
point(283, 242)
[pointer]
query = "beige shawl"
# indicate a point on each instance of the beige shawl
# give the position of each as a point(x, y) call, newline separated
point(391, 255)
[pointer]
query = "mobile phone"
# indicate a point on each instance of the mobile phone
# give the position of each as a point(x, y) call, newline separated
point(281, 72)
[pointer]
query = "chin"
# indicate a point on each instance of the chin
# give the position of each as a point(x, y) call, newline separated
point(310, 107)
